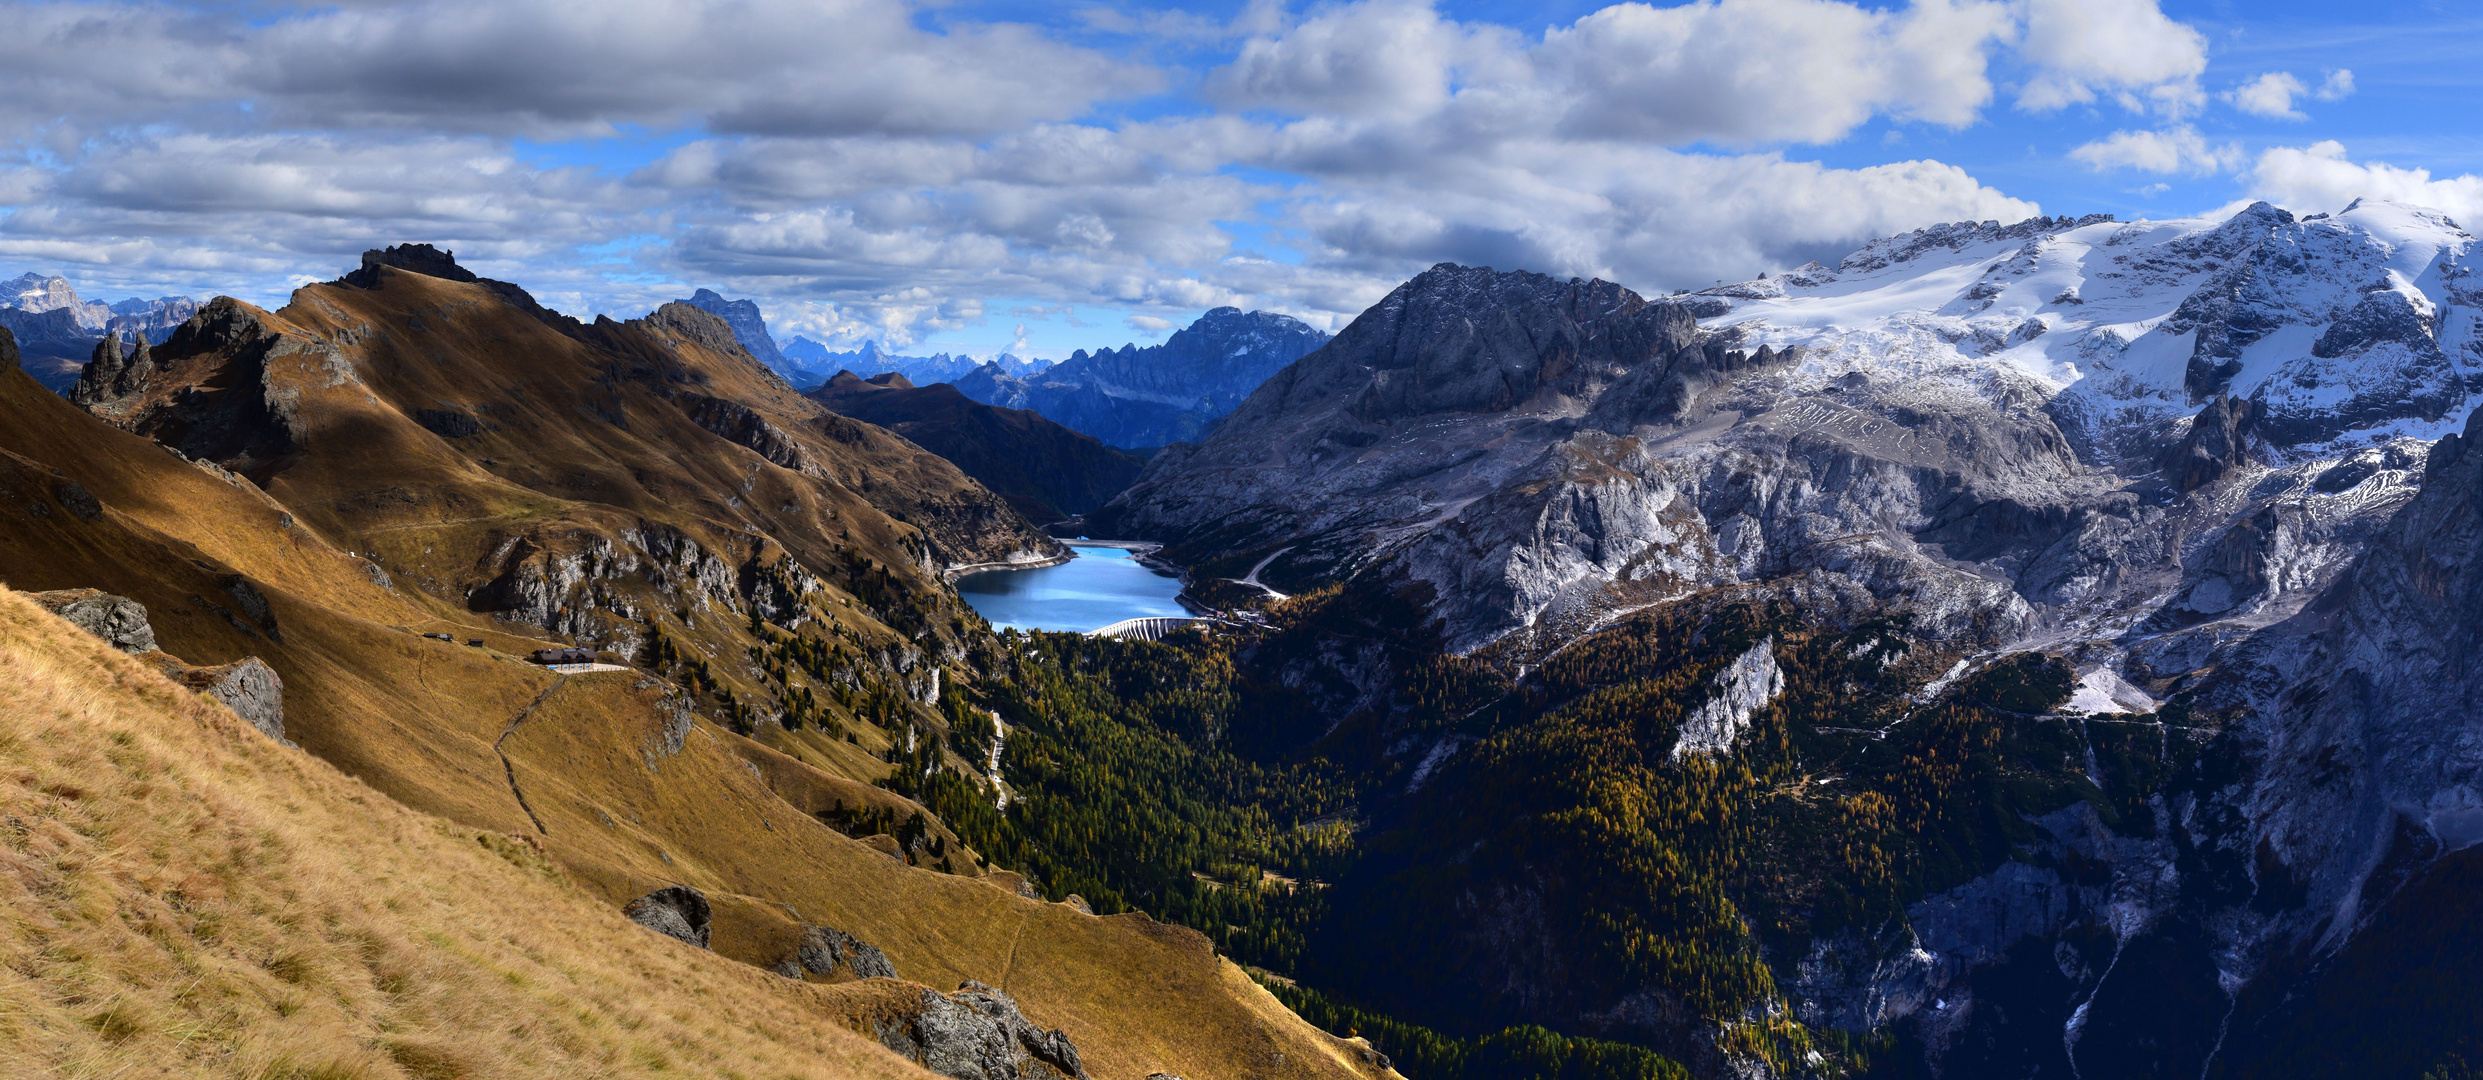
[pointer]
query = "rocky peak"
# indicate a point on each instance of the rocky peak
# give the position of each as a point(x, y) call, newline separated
point(2217, 441)
point(1956, 235)
point(1475, 340)
point(110, 375)
point(34, 292)
point(748, 325)
point(417, 258)
point(683, 322)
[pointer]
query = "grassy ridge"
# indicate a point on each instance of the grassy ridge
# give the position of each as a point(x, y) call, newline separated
point(181, 896)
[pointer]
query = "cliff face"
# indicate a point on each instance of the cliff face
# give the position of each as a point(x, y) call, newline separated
point(749, 327)
point(2208, 466)
point(1538, 455)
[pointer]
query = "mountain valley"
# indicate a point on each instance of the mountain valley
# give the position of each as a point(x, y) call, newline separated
point(2031, 649)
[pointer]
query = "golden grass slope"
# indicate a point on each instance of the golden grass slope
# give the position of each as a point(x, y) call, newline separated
point(426, 723)
point(180, 896)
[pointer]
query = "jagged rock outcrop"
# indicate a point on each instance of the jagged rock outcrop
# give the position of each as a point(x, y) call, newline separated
point(2217, 441)
point(110, 374)
point(236, 400)
point(118, 620)
point(749, 326)
point(978, 1033)
point(739, 424)
point(675, 911)
point(247, 686)
point(824, 949)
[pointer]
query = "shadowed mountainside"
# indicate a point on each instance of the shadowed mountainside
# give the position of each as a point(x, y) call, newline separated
point(1046, 471)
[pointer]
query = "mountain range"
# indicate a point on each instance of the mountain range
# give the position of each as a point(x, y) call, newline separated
point(2017, 650)
point(56, 330)
point(1161, 394)
point(870, 359)
point(2172, 522)
point(333, 534)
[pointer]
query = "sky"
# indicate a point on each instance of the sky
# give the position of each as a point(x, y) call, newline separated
point(990, 175)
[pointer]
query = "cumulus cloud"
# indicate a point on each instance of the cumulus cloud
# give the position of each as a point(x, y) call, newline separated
point(2270, 95)
point(1731, 71)
point(1770, 70)
point(1149, 325)
point(875, 170)
point(553, 67)
point(2338, 86)
point(2174, 150)
point(2320, 177)
point(2126, 50)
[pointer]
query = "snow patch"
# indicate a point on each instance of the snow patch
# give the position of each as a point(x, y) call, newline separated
point(2103, 691)
point(1743, 688)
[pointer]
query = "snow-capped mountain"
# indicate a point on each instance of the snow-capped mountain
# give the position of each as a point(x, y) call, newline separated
point(2211, 466)
point(2340, 326)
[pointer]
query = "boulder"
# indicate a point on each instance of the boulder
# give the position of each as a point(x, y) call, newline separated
point(825, 947)
point(676, 911)
point(250, 688)
point(978, 1033)
point(247, 686)
point(77, 500)
point(118, 620)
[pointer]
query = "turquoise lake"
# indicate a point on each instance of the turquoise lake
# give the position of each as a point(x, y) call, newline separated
point(1102, 586)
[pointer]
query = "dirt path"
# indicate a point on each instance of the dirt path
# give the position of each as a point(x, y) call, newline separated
point(511, 769)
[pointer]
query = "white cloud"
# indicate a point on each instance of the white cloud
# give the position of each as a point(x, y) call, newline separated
point(2174, 150)
point(2320, 177)
point(871, 170)
point(1769, 70)
point(2271, 95)
point(2124, 49)
point(552, 67)
point(1377, 58)
point(2338, 86)
point(1149, 324)
point(1732, 71)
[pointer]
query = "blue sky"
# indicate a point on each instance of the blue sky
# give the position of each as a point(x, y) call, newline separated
point(981, 175)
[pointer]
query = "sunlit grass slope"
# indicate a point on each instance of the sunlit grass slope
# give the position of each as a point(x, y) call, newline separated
point(180, 896)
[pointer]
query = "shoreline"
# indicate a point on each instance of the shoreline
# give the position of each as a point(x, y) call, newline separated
point(1141, 550)
point(966, 569)
point(1137, 546)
